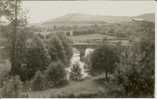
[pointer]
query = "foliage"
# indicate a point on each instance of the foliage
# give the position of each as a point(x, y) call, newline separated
point(38, 82)
point(75, 73)
point(12, 88)
point(31, 55)
point(113, 90)
point(67, 47)
point(135, 72)
point(7, 8)
point(4, 75)
point(103, 60)
point(59, 48)
point(14, 33)
point(55, 48)
point(55, 72)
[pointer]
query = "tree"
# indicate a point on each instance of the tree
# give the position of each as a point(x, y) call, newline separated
point(8, 9)
point(55, 72)
point(12, 11)
point(60, 49)
point(75, 73)
point(67, 47)
point(33, 56)
point(56, 49)
point(135, 70)
point(103, 60)
point(134, 75)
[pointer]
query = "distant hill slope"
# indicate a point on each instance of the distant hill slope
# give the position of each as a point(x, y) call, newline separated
point(83, 19)
point(147, 17)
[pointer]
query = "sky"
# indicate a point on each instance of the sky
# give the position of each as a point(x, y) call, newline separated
point(40, 11)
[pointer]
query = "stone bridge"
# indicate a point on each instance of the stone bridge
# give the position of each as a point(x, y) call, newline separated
point(84, 45)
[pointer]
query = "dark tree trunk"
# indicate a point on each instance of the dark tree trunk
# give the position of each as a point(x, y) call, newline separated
point(13, 51)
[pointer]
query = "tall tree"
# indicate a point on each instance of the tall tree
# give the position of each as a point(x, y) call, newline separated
point(13, 54)
point(103, 60)
point(10, 10)
point(59, 48)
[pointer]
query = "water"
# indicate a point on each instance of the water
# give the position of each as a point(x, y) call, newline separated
point(76, 59)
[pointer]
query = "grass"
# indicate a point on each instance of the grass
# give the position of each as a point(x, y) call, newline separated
point(4, 66)
point(84, 87)
point(98, 38)
point(90, 38)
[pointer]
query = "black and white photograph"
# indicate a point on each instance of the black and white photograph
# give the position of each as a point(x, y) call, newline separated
point(77, 49)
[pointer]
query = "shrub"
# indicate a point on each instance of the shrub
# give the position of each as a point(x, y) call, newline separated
point(113, 90)
point(56, 73)
point(75, 73)
point(4, 75)
point(12, 88)
point(38, 81)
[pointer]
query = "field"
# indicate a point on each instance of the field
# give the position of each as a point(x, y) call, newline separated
point(98, 38)
point(90, 38)
point(86, 87)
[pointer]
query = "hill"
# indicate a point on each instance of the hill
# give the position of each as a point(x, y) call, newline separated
point(147, 17)
point(75, 18)
point(85, 19)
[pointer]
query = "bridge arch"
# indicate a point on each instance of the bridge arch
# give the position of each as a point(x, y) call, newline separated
point(69, 33)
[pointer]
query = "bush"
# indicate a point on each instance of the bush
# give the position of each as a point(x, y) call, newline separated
point(55, 73)
point(135, 73)
point(38, 81)
point(4, 75)
point(113, 90)
point(12, 88)
point(75, 73)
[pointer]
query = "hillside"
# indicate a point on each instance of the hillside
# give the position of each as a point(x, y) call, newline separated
point(85, 19)
point(147, 17)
